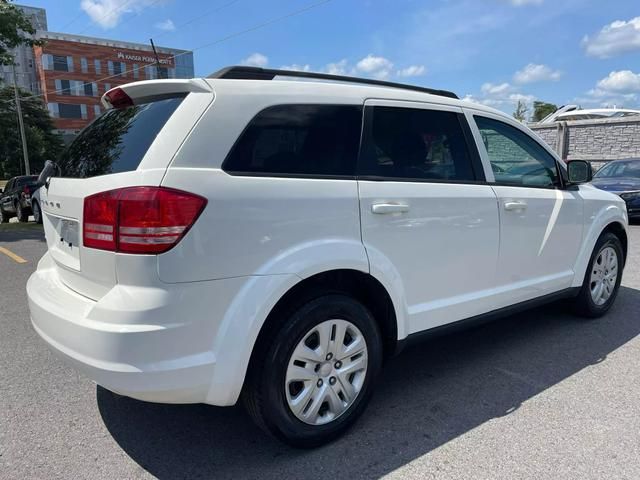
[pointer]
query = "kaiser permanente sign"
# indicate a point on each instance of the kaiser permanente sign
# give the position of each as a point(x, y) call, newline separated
point(144, 58)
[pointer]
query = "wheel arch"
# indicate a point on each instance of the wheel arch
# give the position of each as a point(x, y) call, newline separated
point(360, 285)
point(610, 219)
point(617, 228)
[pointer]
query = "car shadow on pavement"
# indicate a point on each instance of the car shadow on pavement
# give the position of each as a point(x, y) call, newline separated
point(427, 396)
point(14, 232)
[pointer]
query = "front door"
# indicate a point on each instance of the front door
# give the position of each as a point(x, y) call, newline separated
point(428, 219)
point(541, 222)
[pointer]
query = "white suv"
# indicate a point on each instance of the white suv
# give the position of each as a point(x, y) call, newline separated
point(277, 240)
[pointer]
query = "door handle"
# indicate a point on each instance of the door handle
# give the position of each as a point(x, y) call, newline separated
point(515, 205)
point(383, 208)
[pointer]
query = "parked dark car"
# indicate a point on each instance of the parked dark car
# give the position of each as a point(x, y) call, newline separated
point(622, 177)
point(15, 200)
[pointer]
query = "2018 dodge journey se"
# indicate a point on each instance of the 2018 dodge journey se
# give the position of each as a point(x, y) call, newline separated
point(241, 236)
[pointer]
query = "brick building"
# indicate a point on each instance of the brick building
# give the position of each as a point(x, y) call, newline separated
point(75, 71)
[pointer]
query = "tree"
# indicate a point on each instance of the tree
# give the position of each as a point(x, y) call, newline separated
point(522, 109)
point(542, 109)
point(43, 143)
point(15, 30)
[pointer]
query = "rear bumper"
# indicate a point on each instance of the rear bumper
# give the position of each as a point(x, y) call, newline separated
point(151, 348)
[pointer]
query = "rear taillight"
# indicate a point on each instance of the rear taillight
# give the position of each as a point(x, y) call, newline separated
point(139, 219)
point(117, 98)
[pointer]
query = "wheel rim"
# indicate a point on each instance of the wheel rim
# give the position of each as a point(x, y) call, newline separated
point(604, 275)
point(326, 372)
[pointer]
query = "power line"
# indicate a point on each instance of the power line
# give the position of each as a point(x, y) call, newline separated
point(231, 36)
point(199, 17)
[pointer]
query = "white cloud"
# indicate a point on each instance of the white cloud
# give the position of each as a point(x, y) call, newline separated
point(337, 68)
point(297, 68)
point(496, 89)
point(412, 71)
point(503, 96)
point(107, 13)
point(533, 73)
point(166, 25)
point(256, 60)
point(378, 67)
point(622, 81)
point(619, 88)
point(616, 38)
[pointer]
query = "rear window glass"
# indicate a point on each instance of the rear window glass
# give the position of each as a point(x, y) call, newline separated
point(117, 140)
point(21, 181)
point(299, 140)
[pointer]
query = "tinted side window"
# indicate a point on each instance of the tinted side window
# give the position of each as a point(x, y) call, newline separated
point(516, 158)
point(299, 139)
point(416, 144)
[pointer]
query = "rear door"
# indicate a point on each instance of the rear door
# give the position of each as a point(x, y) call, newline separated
point(428, 219)
point(124, 147)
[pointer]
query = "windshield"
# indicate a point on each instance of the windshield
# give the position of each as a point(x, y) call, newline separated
point(117, 140)
point(620, 170)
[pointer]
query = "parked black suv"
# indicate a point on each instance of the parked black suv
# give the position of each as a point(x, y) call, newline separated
point(15, 200)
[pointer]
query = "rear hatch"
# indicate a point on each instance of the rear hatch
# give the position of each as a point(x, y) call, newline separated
point(127, 146)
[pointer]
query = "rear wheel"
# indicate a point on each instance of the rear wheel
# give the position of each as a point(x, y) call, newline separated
point(23, 216)
point(37, 214)
point(315, 377)
point(602, 278)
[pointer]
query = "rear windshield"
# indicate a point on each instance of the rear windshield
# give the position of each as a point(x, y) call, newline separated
point(117, 140)
point(21, 181)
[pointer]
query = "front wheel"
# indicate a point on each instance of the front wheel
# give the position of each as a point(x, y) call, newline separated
point(316, 375)
point(602, 278)
point(4, 216)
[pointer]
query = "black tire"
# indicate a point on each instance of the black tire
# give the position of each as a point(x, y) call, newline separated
point(4, 216)
point(583, 304)
point(264, 395)
point(23, 216)
point(37, 213)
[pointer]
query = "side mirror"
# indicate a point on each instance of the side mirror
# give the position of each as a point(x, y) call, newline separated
point(579, 171)
point(49, 170)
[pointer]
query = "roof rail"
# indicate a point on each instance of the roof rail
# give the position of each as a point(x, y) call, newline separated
point(257, 73)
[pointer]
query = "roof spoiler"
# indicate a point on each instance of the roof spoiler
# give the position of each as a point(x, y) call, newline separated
point(256, 73)
point(155, 90)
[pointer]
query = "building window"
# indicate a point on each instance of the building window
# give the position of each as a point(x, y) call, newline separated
point(88, 89)
point(84, 66)
point(53, 110)
point(60, 63)
point(110, 67)
point(47, 61)
point(98, 67)
point(136, 74)
point(107, 87)
point(123, 69)
point(96, 110)
point(67, 110)
point(62, 87)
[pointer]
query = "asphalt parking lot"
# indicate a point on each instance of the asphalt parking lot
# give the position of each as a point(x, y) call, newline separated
point(538, 395)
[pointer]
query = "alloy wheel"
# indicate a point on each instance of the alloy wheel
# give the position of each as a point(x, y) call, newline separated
point(604, 275)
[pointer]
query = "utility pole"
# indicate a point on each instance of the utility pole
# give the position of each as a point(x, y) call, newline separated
point(25, 152)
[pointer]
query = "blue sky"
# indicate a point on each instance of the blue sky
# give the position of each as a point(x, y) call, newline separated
point(493, 51)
